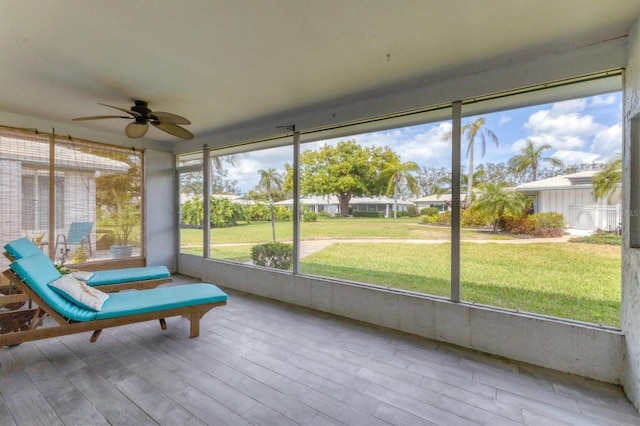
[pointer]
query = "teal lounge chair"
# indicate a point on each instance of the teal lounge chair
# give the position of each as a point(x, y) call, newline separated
point(107, 280)
point(36, 276)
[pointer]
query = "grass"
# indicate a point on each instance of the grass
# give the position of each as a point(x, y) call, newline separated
point(610, 238)
point(575, 280)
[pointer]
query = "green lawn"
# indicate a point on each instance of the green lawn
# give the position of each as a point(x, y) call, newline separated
point(568, 280)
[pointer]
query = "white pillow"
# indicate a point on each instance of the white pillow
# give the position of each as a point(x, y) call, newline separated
point(79, 293)
point(82, 275)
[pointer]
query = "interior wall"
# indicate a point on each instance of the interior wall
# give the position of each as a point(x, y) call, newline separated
point(631, 256)
point(161, 232)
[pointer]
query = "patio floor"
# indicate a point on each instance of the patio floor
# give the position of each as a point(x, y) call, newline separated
point(262, 362)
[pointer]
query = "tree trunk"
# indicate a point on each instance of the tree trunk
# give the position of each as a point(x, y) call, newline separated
point(467, 201)
point(395, 200)
point(344, 199)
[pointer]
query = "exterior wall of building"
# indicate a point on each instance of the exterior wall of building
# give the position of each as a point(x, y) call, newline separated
point(631, 256)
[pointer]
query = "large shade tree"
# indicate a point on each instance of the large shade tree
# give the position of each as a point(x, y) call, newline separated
point(530, 158)
point(345, 170)
point(395, 174)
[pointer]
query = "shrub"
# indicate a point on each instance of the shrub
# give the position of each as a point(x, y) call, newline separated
point(443, 218)
point(429, 211)
point(282, 214)
point(368, 214)
point(309, 216)
point(412, 211)
point(471, 218)
point(272, 255)
point(324, 213)
point(259, 213)
point(538, 224)
point(548, 224)
point(225, 213)
point(430, 219)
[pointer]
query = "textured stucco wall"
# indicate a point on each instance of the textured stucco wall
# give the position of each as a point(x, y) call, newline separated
point(161, 232)
point(631, 256)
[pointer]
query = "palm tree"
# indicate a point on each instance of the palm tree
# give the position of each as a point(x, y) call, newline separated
point(270, 179)
point(471, 130)
point(497, 199)
point(606, 182)
point(530, 158)
point(395, 174)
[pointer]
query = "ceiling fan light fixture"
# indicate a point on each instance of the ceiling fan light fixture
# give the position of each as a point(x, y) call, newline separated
point(136, 130)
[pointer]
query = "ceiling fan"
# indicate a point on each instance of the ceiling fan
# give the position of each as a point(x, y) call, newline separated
point(143, 116)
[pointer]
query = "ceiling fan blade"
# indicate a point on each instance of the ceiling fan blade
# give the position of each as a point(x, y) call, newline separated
point(174, 129)
point(133, 113)
point(167, 117)
point(98, 117)
point(136, 130)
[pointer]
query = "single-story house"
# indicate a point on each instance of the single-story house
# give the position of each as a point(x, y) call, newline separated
point(442, 202)
point(572, 196)
point(316, 204)
point(378, 204)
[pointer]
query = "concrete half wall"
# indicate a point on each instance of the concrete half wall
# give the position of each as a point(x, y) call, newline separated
point(560, 345)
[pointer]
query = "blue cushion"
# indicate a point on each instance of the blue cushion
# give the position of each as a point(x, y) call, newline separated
point(38, 271)
point(117, 276)
point(157, 299)
point(22, 247)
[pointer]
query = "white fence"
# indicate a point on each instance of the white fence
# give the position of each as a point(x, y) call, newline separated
point(608, 218)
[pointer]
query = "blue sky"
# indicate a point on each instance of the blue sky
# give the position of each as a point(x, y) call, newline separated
point(579, 131)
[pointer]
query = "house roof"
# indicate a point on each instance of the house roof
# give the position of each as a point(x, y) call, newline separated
point(239, 69)
point(570, 181)
point(435, 198)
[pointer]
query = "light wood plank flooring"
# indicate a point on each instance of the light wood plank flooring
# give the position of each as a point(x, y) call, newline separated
point(266, 363)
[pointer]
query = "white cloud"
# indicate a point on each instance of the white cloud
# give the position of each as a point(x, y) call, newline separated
point(575, 157)
point(601, 100)
point(566, 107)
point(608, 142)
point(504, 119)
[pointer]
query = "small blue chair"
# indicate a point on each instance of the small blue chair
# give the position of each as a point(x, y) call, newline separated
point(79, 234)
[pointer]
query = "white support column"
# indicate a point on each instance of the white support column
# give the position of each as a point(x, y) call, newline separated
point(456, 139)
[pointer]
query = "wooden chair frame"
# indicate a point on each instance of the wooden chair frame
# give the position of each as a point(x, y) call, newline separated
point(65, 327)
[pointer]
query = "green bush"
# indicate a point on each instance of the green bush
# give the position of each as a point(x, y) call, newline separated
point(259, 213)
point(412, 210)
point(538, 224)
point(225, 213)
point(282, 214)
point(470, 218)
point(309, 216)
point(549, 224)
point(443, 218)
point(430, 219)
point(272, 255)
point(324, 213)
point(429, 211)
point(368, 214)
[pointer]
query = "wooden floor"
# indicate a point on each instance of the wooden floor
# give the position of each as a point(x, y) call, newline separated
point(265, 363)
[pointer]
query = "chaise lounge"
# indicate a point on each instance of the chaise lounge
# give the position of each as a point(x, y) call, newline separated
point(108, 280)
point(76, 307)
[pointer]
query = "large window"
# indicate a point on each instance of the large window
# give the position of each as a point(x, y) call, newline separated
point(86, 208)
point(517, 207)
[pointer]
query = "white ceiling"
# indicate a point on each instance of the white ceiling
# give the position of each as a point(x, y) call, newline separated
point(225, 64)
